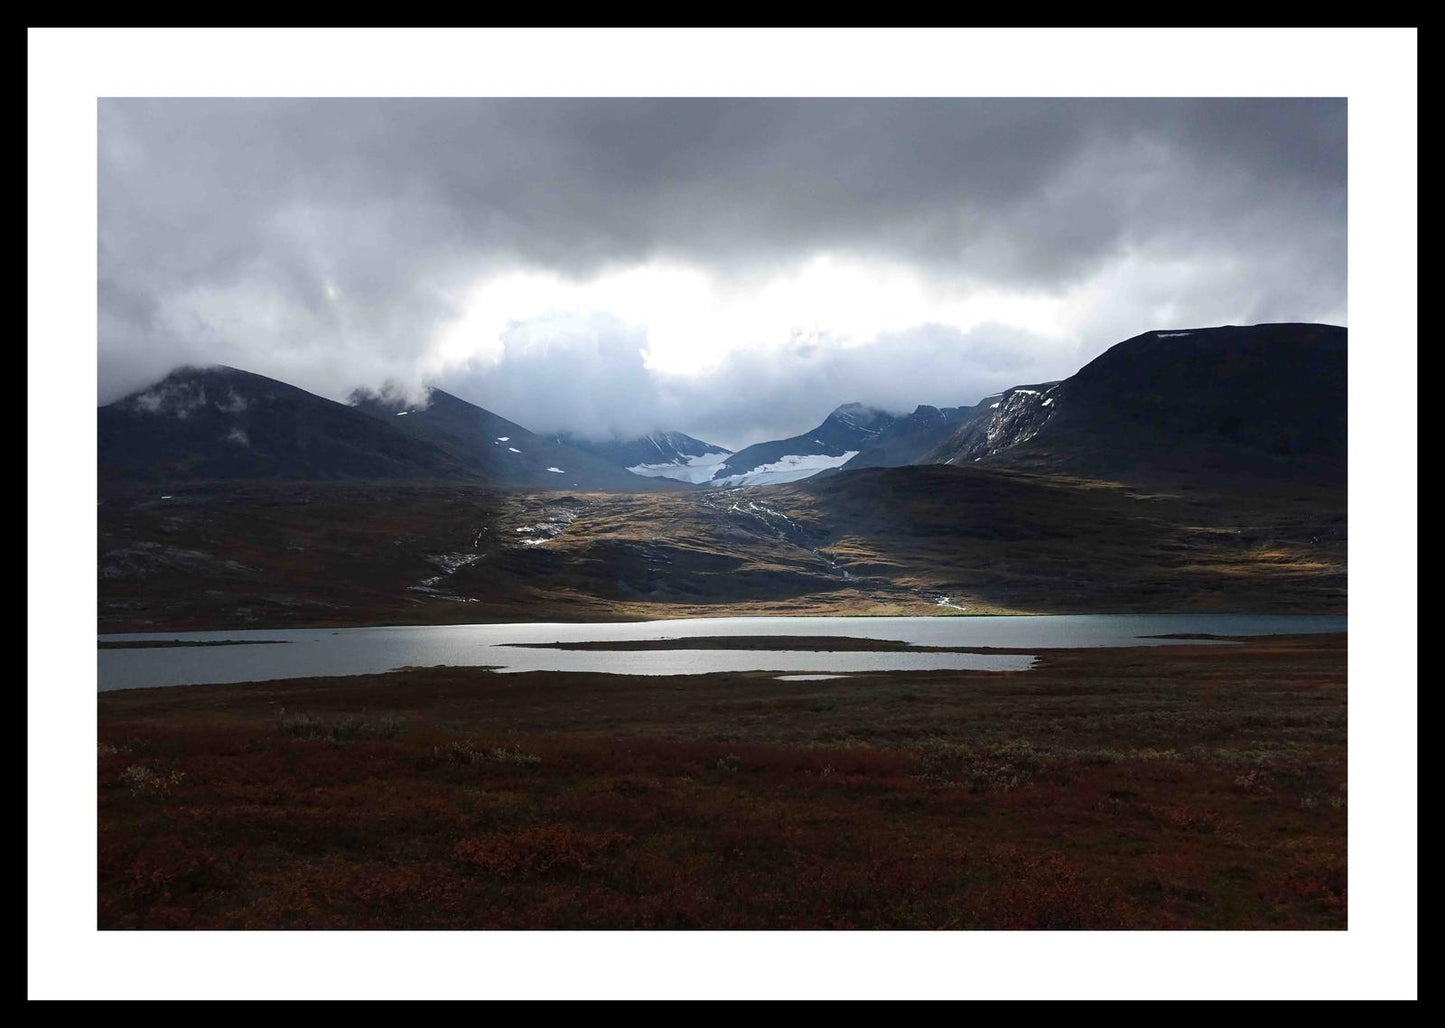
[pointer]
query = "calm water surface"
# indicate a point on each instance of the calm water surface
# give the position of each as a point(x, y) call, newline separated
point(314, 652)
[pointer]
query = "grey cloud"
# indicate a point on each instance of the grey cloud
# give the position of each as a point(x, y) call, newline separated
point(565, 373)
point(227, 225)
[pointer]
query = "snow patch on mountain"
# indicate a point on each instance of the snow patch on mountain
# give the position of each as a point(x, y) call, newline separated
point(789, 468)
point(695, 469)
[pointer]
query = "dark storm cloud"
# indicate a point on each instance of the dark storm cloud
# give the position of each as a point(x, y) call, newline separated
point(330, 241)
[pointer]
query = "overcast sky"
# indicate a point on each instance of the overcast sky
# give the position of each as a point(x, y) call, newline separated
point(728, 268)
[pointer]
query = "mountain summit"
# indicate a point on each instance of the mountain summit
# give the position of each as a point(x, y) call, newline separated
point(842, 435)
point(222, 423)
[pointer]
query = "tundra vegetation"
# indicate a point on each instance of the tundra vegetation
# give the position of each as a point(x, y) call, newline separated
point(1193, 786)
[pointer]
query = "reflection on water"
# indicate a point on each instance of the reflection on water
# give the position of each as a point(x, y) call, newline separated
point(357, 651)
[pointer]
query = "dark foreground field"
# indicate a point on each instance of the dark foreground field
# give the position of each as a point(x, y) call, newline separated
point(1183, 787)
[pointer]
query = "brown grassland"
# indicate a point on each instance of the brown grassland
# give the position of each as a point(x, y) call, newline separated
point(1190, 786)
point(883, 541)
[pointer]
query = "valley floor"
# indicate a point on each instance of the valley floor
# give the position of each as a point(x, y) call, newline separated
point(1178, 787)
point(883, 542)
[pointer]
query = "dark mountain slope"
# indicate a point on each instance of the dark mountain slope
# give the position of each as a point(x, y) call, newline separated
point(500, 450)
point(997, 423)
point(908, 440)
point(222, 423)
point(1263, 399)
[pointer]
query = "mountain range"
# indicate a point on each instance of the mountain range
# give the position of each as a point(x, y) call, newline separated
point(1221, 398)
point(1184, 470)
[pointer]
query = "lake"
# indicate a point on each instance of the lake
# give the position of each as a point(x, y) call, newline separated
point(316, 652)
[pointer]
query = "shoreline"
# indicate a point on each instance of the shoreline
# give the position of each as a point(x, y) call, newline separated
point(110, 633)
